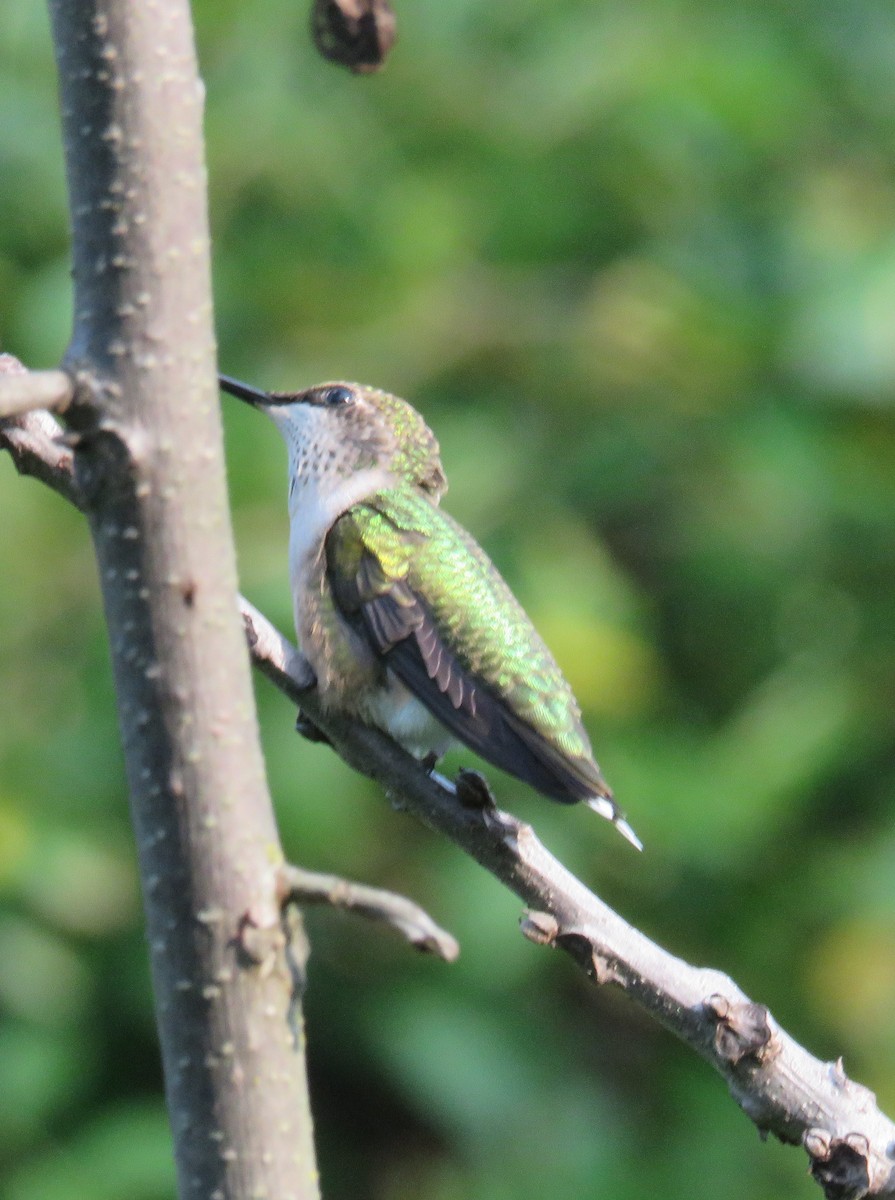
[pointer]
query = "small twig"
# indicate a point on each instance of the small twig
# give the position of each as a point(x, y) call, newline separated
point(35, 439)
point(37, 447)
point(311, 887)
point(23, 391)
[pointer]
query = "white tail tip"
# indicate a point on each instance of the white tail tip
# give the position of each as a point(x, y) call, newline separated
point(605, 808)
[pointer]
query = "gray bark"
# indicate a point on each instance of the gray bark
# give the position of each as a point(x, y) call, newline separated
point(148, 468)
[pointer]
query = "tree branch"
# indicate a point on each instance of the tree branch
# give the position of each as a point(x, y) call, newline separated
point(298, 886)
point(35, 440)
point(782, 1088)
point(24, 391)
point(37, 445)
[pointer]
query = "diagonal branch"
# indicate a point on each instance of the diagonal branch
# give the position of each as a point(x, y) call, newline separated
point(781, 1087)
point(778, 1084)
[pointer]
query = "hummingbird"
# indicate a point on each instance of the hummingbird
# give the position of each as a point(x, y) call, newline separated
point(405, 621)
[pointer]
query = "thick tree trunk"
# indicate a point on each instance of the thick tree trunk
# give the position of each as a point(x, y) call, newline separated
point(149, 468)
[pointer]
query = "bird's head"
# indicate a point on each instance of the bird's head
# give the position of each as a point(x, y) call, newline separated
point(347, 427)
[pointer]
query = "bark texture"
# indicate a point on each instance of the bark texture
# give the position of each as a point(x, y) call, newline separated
point(148, 472)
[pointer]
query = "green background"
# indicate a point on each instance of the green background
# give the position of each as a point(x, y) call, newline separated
point(635, 262)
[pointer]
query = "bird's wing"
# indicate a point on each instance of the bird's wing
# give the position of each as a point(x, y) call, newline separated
point(431, 603)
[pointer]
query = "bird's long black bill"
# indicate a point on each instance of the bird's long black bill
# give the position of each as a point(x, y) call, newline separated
point(243, 391)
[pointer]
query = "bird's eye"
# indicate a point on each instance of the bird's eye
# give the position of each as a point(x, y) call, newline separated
point(333, 397)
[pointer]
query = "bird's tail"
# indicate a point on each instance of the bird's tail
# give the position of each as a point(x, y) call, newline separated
point(607, 808)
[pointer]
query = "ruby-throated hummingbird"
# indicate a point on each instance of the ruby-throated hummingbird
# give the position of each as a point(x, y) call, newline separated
point(404, 619)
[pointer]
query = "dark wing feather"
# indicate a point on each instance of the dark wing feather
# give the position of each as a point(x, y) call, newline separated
point(482, 721)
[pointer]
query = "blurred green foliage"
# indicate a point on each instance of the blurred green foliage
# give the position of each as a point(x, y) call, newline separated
point(636, 264)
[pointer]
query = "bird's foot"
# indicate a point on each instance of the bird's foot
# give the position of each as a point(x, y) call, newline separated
point(430, 761)
point(473, 790)
point(306, 727)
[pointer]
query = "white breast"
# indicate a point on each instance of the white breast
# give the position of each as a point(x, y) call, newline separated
point(314, 504)
point(312, 510)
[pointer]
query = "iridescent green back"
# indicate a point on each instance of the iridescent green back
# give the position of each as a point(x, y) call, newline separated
point(476, 616)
